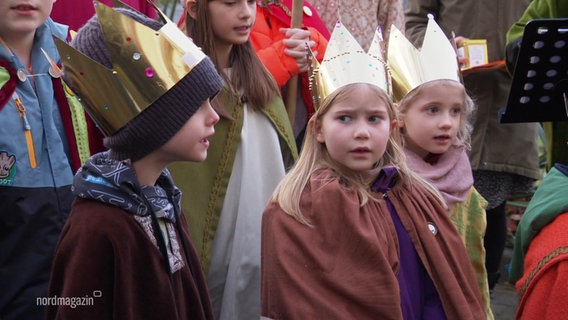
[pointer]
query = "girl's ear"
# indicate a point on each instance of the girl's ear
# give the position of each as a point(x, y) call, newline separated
point(191, 7)
point(400, 121)
point(397, 122)
point(394, 124)
point(316, 128)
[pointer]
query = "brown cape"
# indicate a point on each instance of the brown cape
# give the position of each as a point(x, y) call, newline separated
point(345, 266)
point(105, 255)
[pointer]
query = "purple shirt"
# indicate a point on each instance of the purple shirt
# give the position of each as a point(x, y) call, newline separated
point(418, 295)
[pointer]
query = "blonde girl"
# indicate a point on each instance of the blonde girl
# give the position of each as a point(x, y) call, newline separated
point(352, 233)
point(317, 156)
point(463, 106)
point(435, 122)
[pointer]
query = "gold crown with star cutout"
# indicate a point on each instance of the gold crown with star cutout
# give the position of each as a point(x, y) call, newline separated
point(345, 62)
point(410, 67)
point(146, 63)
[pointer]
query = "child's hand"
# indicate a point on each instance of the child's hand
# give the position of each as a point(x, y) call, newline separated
point(296, 40)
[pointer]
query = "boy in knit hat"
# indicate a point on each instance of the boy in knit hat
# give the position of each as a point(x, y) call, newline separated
point(125, 252)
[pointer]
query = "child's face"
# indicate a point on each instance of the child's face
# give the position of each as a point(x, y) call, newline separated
point(356, 129)
point(232, 20)
point(433, 119)
point(191, 142)
point(20, 18)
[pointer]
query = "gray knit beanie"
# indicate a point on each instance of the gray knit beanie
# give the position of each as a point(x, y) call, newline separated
point(154, 126)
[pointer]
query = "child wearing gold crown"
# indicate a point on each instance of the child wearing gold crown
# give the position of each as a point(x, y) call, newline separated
point(351, 232)
point(434, 122)
point(504, 156)
point(125, 252)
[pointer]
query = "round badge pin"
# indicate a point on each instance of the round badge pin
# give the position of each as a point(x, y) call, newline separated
point(54, 73)
point(432, 228)
point(308, 11)
point(22, 75)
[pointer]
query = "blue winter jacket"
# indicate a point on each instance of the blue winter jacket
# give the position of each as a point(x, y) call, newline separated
point(34, 199)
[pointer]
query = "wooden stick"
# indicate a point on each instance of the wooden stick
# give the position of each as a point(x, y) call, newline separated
point(292, 85)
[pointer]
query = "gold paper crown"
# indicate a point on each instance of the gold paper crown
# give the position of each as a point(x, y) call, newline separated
point(410, 67)
point(145, 64)
point(345, 62)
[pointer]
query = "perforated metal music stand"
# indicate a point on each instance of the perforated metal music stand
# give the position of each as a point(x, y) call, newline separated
point(539, 91)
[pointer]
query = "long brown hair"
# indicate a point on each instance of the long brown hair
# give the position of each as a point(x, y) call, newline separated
point(248, 76)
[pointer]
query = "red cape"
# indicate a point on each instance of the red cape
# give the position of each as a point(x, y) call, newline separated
point(75, 13)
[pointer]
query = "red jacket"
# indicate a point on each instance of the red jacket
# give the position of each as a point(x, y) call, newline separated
point(542, 289)
point(75, 13)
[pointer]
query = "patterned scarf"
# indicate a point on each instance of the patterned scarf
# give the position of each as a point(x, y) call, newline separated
point(114, 182)
point(451, 173)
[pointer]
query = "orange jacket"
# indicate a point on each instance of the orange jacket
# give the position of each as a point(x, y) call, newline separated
point(267, 41)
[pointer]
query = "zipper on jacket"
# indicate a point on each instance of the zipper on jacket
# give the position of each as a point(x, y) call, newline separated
point(27, 130)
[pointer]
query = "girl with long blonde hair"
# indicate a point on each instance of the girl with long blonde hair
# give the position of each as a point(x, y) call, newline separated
point(352, 233)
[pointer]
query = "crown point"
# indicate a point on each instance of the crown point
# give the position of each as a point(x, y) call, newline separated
point(345, 62)
point(412, 67)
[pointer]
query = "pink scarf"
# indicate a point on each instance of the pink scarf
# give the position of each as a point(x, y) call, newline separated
point(451, 174)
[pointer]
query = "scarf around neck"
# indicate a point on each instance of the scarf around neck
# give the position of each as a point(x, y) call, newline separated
point(114, 182)
point(451, 174)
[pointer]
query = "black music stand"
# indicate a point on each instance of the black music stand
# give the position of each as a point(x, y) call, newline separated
point(539, 91)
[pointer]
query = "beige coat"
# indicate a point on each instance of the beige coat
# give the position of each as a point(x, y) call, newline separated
point(362, 17)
